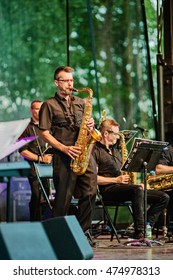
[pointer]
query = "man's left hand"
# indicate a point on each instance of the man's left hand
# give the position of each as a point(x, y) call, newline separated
point(90, 124)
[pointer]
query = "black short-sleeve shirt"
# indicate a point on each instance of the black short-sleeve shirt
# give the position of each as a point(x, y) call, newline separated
point(62, 120)
point(167, 156)
point(109, 165)
point(35, 145)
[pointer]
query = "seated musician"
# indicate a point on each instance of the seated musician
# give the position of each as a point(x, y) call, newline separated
point(164, 170)
point(33, 152)
point(117, 187)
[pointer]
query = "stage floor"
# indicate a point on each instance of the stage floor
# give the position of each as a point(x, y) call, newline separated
point(112, 250)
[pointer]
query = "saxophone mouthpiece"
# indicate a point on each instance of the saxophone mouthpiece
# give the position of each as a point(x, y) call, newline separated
point(74, 89)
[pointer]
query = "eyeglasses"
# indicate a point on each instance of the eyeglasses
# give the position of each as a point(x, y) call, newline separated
point(66, 81)
point(112, 132)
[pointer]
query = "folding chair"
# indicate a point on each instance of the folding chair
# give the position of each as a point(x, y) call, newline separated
point(100, 201)
point(105, 205)
point(44, 171)
point(127, 204)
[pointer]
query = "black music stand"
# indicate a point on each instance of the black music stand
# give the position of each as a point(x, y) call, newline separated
point(143, 157)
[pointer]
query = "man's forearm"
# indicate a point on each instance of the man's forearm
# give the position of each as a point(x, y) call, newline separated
point(48, 138)
point(101, 180)
point(163, 169)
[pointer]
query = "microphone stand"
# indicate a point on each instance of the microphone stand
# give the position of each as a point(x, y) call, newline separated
point(143, 130)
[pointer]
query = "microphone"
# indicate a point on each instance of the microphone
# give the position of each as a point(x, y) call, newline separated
point(140, 128)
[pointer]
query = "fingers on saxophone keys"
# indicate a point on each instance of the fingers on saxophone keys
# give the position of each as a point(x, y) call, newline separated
point(74, 151)
point(126, 179)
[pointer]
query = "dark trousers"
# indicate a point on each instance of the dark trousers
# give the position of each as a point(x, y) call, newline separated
point(68, 184)
point(170, 207)
point(121, 192)
point(158, 201)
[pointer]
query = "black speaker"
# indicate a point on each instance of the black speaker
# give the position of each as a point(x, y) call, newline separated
point(67, 238)
point(25, 241)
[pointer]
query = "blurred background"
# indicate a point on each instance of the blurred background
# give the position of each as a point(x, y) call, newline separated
point(112, 45)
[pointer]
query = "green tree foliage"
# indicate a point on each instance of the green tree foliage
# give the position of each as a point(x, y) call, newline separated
point(34, 42)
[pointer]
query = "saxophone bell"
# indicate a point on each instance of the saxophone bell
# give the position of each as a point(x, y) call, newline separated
point(96, 135)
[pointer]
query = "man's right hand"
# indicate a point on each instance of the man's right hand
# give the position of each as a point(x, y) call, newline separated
point(123, 179)
point(72, 151)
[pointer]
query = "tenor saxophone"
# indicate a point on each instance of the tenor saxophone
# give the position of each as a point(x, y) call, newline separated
point(85, 138)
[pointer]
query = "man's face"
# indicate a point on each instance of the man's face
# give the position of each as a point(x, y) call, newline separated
point(64, 83)
point(35, 111)
point(112, 136)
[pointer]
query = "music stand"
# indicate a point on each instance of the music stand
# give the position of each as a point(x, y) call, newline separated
point(10, 131)
point(143, 157)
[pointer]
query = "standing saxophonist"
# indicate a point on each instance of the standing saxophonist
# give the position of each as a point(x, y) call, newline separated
point(62, 115)
point(115, 186)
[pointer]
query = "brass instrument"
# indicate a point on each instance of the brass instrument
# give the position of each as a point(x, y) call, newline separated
point(160, 182)
point(124, 153)
point(85, 139)
point(103, 117)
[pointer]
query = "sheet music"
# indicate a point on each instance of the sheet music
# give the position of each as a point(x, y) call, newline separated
point(144, 149)
point(10, 131)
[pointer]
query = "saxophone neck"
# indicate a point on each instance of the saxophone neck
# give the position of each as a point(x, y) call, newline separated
point(121, 136)
point(89, 90)
point(124, 152)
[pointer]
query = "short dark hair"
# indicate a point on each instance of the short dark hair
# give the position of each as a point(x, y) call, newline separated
point(67, 69)
point(35, 101)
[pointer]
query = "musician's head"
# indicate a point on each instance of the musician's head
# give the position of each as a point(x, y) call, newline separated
point(34, 109)
point(109, 129)
point(63, 79)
